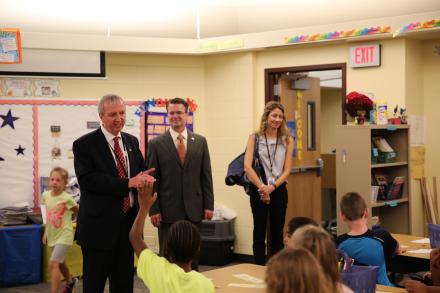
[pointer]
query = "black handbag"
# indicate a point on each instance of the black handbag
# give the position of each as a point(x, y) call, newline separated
point(237, 176)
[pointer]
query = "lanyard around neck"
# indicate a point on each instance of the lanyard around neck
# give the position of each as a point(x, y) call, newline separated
point(274, 152)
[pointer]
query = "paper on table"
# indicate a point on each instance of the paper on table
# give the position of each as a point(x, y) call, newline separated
point(242, 285)
point(421, 241)
point(249, 278)
point(420, 251)
point(43, 213)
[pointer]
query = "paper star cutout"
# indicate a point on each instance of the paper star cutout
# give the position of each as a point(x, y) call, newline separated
point(20, 150)
point(8, 119)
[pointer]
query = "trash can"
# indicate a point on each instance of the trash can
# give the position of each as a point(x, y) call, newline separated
point(217, 242)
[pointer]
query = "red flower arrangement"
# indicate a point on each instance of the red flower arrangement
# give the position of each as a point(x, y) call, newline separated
point(355, 102)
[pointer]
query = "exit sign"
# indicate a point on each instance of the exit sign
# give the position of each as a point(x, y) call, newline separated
point(365, 56)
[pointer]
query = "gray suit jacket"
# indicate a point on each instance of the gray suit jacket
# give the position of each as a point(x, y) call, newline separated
point(183, 191)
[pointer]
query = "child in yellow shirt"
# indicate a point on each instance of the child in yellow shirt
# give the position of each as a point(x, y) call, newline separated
point(171, 273)
point(58, 232)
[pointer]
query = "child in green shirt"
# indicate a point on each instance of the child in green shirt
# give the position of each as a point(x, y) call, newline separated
point(58, 232)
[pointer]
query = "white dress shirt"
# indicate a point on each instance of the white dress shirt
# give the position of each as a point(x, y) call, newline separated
point(111, 144)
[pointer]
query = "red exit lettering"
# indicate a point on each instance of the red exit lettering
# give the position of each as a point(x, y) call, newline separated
point(364, 55)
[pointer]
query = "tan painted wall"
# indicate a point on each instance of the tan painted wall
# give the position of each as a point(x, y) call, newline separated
point(431, 89)
point(229, 82)
point(414, 102)
point(330, 117)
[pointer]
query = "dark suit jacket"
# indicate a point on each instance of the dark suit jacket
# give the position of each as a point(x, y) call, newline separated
point(102, 191)
point(184, 191)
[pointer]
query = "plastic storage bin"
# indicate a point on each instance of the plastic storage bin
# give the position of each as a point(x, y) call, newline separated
point(217, 242)
point(360, 279)
point(384, 158)
point(20, 254)
point(434, 235)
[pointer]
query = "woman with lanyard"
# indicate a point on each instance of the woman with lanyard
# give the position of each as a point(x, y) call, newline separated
point(275, 146)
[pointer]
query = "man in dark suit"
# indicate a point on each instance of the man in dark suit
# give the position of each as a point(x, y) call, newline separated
point(183, 174)
point(109, 167)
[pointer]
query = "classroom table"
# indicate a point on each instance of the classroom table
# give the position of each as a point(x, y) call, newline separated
point(408, 262)
point(382, 288)
point(228, 279)
point(405, 242)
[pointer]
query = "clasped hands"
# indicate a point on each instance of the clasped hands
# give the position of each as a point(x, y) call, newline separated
point(142, 179)
point(265, 191)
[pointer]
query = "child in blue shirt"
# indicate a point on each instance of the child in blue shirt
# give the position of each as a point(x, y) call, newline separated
point(361, 243)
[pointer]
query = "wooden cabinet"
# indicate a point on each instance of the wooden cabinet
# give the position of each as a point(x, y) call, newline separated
point(354, 171)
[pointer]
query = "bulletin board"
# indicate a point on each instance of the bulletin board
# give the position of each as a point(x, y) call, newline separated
point(156, 123)
point(37, 135)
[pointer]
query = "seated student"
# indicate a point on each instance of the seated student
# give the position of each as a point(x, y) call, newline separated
point(172, 273)
point(418, 287)
point(295, 223)
point(360, 243)
point(295, 270)
point(321, 245)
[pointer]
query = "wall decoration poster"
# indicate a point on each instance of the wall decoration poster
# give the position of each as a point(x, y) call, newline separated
point(18, 87)
point(47, 88)
point(292, 127)
point(10, 46)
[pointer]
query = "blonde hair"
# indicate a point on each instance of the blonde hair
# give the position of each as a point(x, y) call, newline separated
point(320, 244)
point(295, 270)
point(63, 172)
point(283, 132)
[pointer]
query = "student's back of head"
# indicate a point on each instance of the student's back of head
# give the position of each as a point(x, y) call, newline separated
point(295, 270)
point(352, 206)
point(293, 225)
point(321, 245)
point(183, 242)
point(297, 222)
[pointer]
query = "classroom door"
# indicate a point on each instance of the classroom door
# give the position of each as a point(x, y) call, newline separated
point(301, 98)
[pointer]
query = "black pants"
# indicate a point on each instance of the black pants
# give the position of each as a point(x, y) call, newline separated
point(163, 234)
point(116, 264)
point(276, 211)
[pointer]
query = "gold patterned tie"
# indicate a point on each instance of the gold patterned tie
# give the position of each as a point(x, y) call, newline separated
point(181, 151)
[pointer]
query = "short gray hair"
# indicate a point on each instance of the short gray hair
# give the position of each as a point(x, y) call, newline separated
point(110, 98)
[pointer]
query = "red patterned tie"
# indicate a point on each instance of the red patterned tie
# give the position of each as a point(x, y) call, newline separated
point(120, 165)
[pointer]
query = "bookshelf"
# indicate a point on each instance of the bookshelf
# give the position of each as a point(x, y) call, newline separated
point(355, 171)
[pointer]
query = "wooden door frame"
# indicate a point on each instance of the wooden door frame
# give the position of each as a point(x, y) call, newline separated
point(270, 75)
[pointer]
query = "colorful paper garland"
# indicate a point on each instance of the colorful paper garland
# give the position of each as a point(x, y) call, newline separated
point(338, 35)
point(417, 25)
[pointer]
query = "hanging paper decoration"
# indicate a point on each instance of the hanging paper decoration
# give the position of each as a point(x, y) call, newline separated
point(337, 35)
point(161, 103)
point(417, 25)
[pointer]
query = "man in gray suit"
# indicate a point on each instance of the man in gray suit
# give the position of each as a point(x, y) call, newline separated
point(183, 174)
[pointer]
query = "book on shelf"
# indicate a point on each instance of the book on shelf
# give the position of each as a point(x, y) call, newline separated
point(382, 144)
